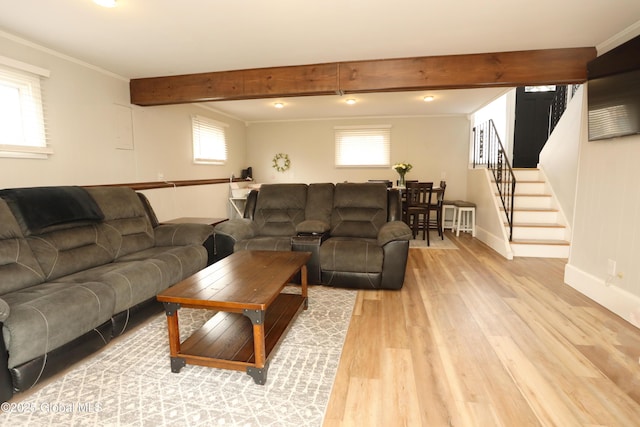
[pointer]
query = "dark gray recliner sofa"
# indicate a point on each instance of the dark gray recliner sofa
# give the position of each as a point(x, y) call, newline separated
point(79, 266)
point(353, 230)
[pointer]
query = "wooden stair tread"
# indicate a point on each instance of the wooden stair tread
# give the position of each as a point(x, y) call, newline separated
point(533, 209)
point(539, 242)
point(525, 181)
point(537, 224)
point(529, 195)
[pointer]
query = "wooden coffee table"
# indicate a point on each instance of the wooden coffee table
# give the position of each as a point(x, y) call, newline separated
point(253, 315)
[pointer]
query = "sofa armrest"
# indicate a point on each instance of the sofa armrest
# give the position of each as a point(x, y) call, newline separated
point(395, 264)
point(182, 234)
point(4, 312)
point(226, 235)
point(392, 231)
point(237, 229)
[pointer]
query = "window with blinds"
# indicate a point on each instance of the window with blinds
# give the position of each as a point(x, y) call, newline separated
point(22, 121)
point(363, 146)
point(209, 141)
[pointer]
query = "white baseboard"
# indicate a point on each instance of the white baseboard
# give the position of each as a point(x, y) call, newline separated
point(494, 242)
point(613, 298)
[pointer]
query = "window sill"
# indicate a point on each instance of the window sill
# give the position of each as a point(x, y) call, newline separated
point(24, 152)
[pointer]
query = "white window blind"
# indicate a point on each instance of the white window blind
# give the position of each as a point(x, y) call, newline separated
point(209, 141)
point(22, 119)
point(363, 146)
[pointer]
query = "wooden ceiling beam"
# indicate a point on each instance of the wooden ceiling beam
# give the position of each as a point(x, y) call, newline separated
point(302, 80)
point(500, 69)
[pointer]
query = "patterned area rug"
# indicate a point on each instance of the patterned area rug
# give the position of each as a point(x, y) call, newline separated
point(435, 243)
point(130, 383)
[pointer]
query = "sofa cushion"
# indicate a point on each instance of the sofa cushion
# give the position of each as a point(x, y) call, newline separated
point(18, 266)
point(351, 255)
point(280, 208)
point(128, 226)
point(177, 262)
point(49, 315)
point(132, 281)
point(319, 203)
point(68, 251)
point(359, 210)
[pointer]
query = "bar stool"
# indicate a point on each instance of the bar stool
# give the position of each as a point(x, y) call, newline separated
point(466, 217)
point(446, 205)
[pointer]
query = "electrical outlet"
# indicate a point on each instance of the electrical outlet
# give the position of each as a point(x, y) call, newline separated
point(611, 267)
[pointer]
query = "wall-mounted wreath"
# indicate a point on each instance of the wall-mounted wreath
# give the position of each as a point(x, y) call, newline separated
point(281, 162)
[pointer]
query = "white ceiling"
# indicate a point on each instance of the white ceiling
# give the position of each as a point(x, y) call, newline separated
point(397, 104)
point(146, 38)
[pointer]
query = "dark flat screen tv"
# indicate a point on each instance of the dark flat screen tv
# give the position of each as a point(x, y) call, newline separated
point(614, 106)
point(614, 92)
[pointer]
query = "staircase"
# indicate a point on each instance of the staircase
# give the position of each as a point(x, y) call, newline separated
point(539, 229)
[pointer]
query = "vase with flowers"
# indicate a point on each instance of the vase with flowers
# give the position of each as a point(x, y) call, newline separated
point(402, 169)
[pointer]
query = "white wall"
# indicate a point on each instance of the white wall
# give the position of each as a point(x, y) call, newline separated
point(559, 157)
point(490, 227)
point(502, 112)
point(437, 148)
point(606, 225)
point(606, 221)
point(81, 102)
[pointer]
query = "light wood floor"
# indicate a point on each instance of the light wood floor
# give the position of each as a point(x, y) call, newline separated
point(473, 339)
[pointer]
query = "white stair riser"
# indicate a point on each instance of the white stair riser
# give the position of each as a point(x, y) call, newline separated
point(544, 251)
point(536, 217)
point(530, 188)
point(532, 202)
point(527, 175)
point(539, 233)
point(534, 205)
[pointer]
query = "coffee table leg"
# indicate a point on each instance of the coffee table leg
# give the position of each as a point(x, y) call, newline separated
point(303, 274)
point(177, 363)
point(259, 372)
point(259, 375)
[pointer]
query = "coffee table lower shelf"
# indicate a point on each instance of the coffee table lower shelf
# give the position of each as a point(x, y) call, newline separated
point(228, 340)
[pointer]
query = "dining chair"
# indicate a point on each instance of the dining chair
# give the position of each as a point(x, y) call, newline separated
point(403, 198)
point(418, 207)
point(436, 219)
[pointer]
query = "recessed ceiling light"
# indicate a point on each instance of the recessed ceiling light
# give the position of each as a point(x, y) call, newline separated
point(429, 98)
point(105, 3)
point(278, 104)
point(350, 101)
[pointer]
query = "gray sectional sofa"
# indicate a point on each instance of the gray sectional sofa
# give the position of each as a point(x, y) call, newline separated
point(353, 230)
point(79, 266)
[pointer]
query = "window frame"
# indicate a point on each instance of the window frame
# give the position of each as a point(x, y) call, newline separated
point(202, 123)
point(364, 132)
point(33, 140)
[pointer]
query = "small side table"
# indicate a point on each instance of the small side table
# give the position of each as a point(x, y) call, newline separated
point(210, 243)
